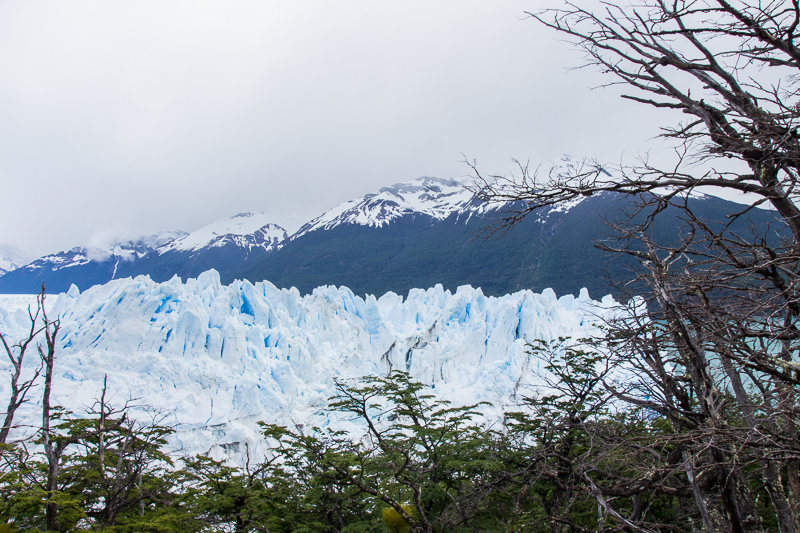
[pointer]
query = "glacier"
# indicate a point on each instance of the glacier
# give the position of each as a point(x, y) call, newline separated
point(215, 359)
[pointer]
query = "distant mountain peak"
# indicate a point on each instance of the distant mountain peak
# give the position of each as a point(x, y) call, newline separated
point(437, 198)
point(411, 234)
point(131, 249)
point(118, 250)
point(434, 197)
point(12, 258)
point(246, 230)
point(426, 183)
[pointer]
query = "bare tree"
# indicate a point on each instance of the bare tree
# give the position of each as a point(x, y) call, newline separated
point(16, 355)
point(666, 50)
point(715, 349)
point(52, 449)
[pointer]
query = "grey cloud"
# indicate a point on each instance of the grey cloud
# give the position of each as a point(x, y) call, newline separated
point(122, 118)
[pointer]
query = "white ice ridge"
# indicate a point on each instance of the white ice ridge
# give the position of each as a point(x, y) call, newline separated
point(217, 359)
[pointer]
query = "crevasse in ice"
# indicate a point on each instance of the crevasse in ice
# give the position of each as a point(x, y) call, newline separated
point(215, 359)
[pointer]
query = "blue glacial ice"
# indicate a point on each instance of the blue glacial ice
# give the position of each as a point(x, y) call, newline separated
point(216, 359)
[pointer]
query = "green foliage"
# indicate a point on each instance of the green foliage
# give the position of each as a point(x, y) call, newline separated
point(419, 465)
point(112, 475)
point(394, 521)
point(423, 459)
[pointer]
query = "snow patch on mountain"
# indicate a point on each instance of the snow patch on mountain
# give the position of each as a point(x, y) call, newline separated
point(135, 248)
point(12, 258)
point(434, 197)
point(217, 359)
point(68, 258)
point(246, 230)
point(119, 251)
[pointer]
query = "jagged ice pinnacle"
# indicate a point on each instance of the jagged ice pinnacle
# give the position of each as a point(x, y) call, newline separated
point(216, 359)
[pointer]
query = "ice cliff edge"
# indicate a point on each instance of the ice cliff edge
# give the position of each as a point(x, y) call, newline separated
point(216, 359)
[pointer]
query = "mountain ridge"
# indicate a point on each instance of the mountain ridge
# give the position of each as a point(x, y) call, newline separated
point(412, 234)
point(11, 258)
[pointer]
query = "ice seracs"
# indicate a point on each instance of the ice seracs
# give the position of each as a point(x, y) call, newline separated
point(217, 359)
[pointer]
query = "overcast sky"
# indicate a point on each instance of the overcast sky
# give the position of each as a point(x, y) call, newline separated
point(123, 118)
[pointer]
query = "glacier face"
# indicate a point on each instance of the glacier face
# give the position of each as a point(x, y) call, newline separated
point(215, 359)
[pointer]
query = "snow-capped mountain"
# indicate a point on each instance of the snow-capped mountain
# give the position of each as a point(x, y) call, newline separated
point(12, 258)
point(428, 231)
point(245, 230)
point(132, 250)
point(432, 197)
point(82, 265)
point(224, 244)
point(217, 359)
point(435, 198)
point(118, 252)
point(413, 234)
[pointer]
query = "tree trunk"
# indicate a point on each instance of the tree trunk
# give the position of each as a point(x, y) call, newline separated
point(52, 451)
point(19, 390)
